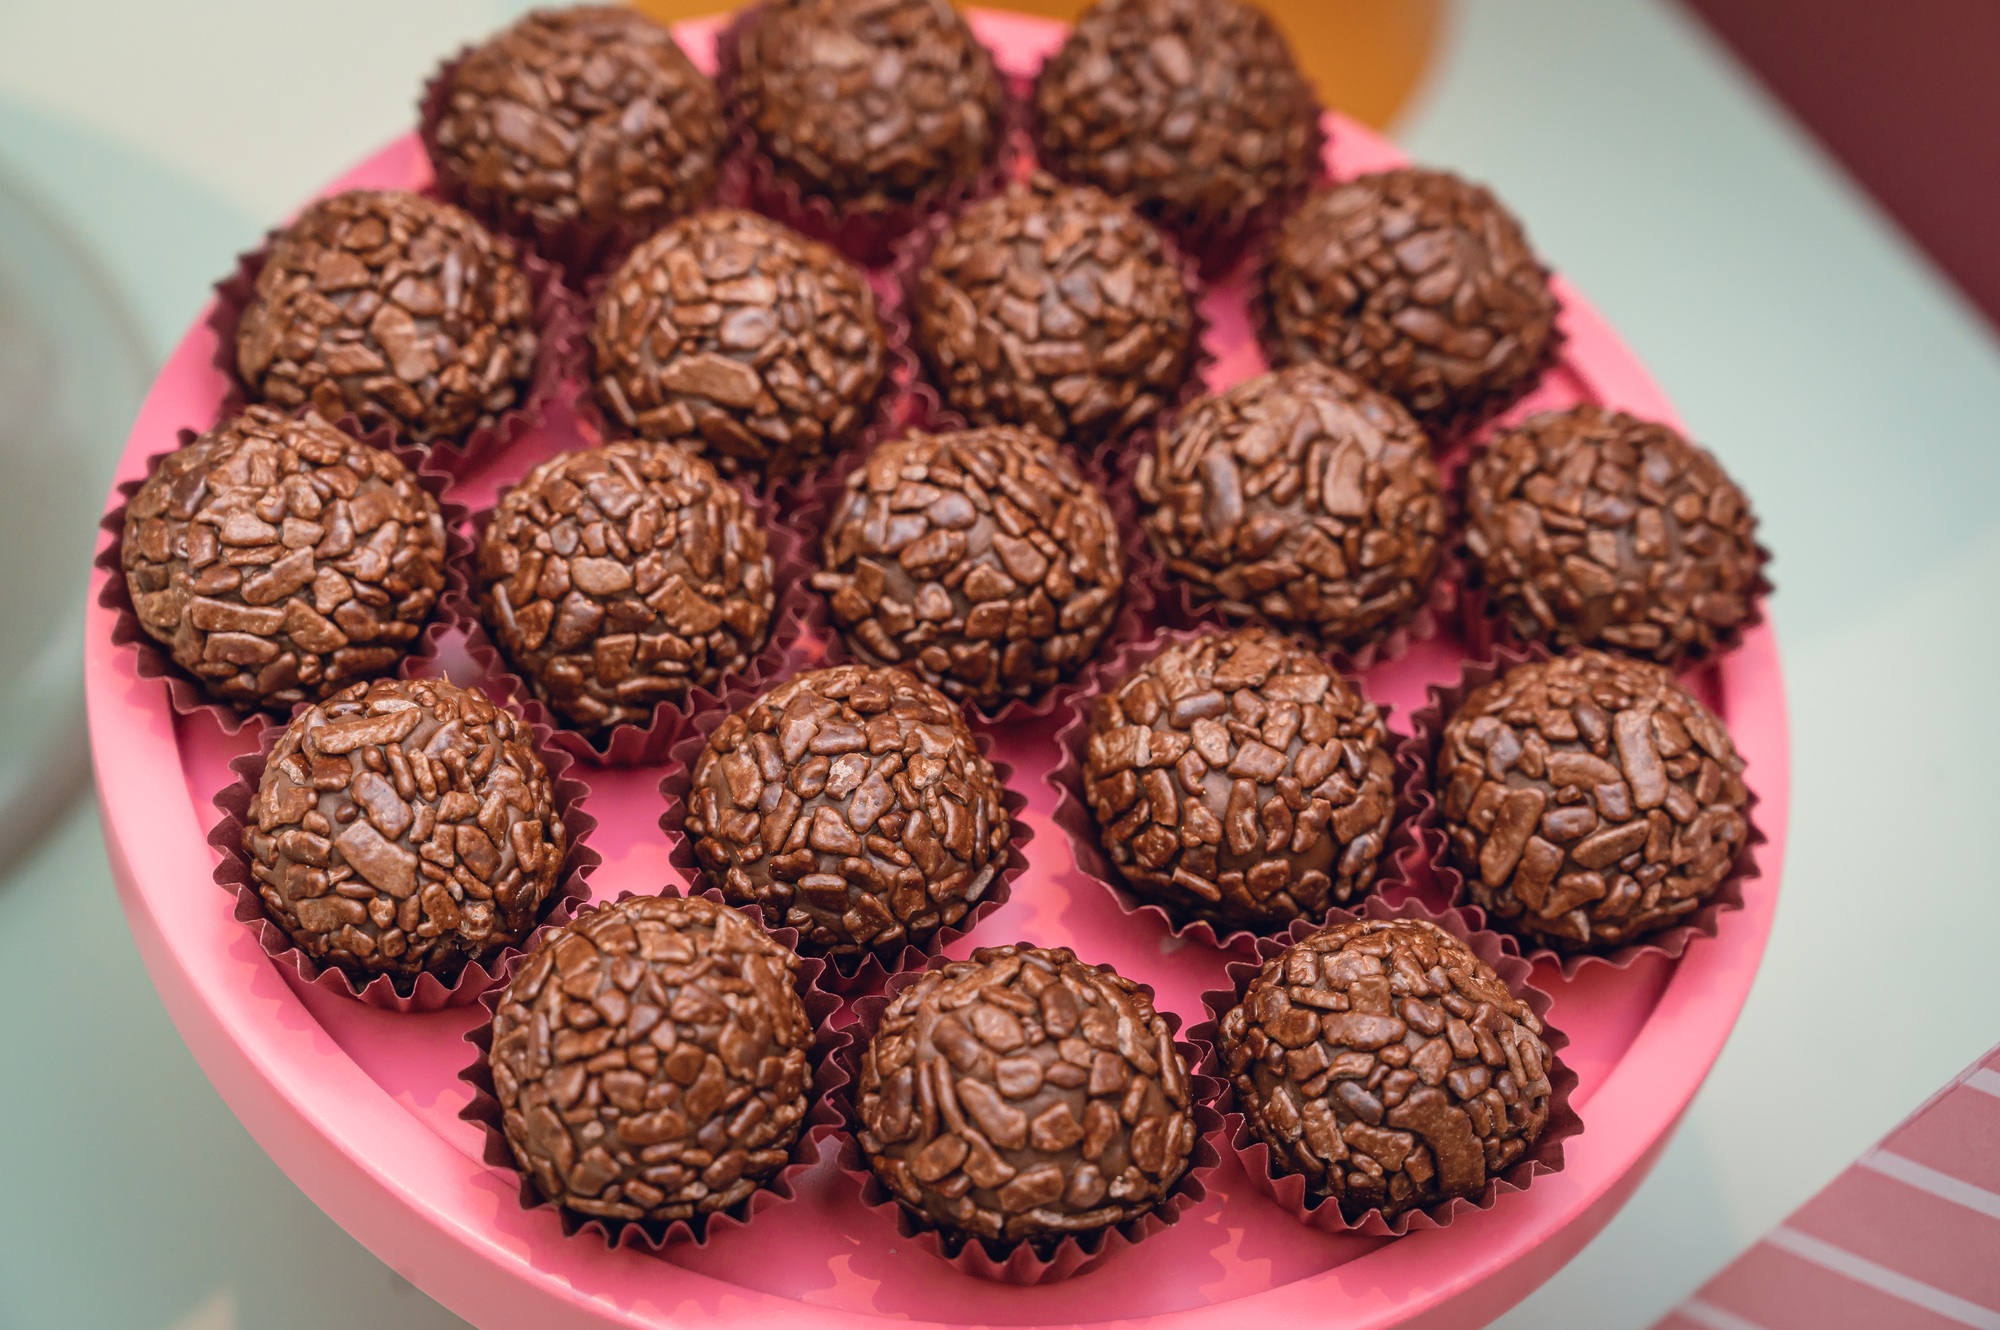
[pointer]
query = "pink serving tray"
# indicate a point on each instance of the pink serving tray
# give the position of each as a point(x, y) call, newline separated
point(360, 1106)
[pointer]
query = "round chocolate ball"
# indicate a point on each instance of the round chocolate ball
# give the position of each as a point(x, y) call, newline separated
point(983, 561)
point(875, 106)
point(1589, 800)
point(743, 340)
point(1237, 778)
point(620, 577)
point(394, 308)
point(1592, 528)
point(1056, 307)
point(1024, 1094)
point(1388, 1065)
point(591, 115)
point(280, 560)
point(1420, 283)
point(405, 826)
point(1305, 498)
point(1192, 110)
point(852, 804)
point(651, 1060)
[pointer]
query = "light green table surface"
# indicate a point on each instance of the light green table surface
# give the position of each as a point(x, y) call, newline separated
point(1835, 374)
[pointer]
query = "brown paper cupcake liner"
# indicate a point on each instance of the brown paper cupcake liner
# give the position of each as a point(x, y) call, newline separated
point(559, 343)
point(822, 1120)
point(866, 237)
point(1022, 1262)
point(1395, 870)
point(846, 976)
point(185, 694)
point(581, 246)
point(424, 992)
point(1433, 871)
point(1322, 1212)
point(798, 625)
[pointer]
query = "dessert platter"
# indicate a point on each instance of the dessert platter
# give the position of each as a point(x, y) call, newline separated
point(852, 665)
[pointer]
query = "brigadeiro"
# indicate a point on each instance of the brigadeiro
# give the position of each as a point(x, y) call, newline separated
point(1024, 1095)
point(619, 577)
point(281, 560)
point(1236, 778)
point(1056, 307)
point(1421, 284)
point(1192, 110)
point(1303, 497)
point(1593, 528)
point(394, 308)
point(1387, 1064)
point(852, 804)
point(652, 1061)
point(405, 826)
point(575, 128)
point(984, 561)
point(1589, 800)
point(874, 106)
point(743, 340)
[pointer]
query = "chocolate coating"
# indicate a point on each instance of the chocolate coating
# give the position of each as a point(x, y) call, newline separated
point(1302, 497)
point(983, 561)
point(852, 804)
point(1192, 110)
point(280, 560)
point(1420, 283)
point(393, 307)
point(1237, 778)
point(651, 1060)
point(1056, 307)
point(1388, 1064)
point(872, 104)
point(404, 826)
point(592, 114)
point(620, 577)
point(1592, 528)
point(1024, 1094)
point(743, 340)
point(1589, 800)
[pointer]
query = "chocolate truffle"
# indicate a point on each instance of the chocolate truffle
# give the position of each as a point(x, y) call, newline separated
point(405, 826)
point(280, 560)
point(1053, 306)
point(395, 308)
point(651, 1060)
point(591, 115)
point(1192, 110)
point(983, 561)
point(1591, 528)
point(1388, 1065)
point(1589, 800)
point(743, 340)
point(1238, 779)
point(620, 577)
point(1024, 1094)
point(869, 104)
point(1420, 283)
point(1303, 497)
point(853, 805)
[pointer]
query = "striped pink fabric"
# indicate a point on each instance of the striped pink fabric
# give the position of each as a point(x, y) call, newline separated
point(1906, 1239)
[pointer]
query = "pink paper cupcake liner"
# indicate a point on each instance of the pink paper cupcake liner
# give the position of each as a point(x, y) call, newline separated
point(1021, 1262)
point(426, 992)
point(822, 1118)
point(1289, 1189)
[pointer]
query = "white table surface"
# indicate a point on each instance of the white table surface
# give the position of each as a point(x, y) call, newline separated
point(1837, 376)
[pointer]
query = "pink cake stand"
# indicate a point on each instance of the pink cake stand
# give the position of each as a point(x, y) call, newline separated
point(360, 1106)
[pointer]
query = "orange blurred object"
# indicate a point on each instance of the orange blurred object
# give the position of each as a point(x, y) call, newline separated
point(1366, 56)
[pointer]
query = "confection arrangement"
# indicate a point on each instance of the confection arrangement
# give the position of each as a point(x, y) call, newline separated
point(813, 440)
